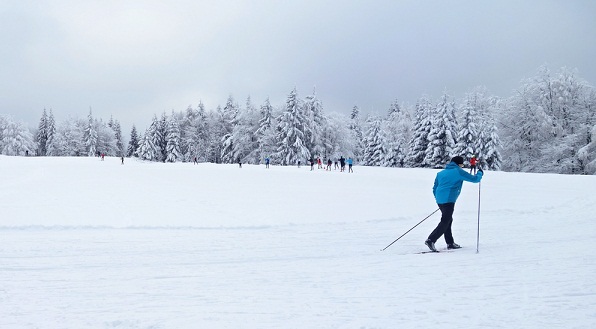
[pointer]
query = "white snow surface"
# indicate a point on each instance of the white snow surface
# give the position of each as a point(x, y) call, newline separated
point(86, 243)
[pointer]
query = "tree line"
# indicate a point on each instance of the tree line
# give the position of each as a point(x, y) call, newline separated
point(548, 125)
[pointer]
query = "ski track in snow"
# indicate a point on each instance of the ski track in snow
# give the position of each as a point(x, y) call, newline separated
point(534, 269)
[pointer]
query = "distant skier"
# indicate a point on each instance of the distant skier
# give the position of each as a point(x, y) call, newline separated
point(446, 189)
point(473, 162)
point(350, 161)
point(335, 164)
point(195, 161)
point(312, 164)
point(267, 162)
point(328, 165)
point(122, 158)
point(342, 163)
point(319, 163)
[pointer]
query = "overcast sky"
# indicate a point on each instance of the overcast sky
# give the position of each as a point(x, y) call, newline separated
point(132, 59)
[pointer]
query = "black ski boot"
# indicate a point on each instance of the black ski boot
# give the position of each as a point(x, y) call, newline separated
point(453, 246)
point(430, 245)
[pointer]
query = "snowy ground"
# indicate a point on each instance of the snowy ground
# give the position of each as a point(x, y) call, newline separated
point(86, 243)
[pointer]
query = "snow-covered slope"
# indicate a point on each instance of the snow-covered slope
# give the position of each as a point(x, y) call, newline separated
point(86, 243)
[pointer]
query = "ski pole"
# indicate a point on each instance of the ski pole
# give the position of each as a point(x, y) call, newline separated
point(478, 231)
point(411, 229)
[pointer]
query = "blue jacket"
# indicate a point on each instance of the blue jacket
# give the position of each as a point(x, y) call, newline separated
point(449, 181)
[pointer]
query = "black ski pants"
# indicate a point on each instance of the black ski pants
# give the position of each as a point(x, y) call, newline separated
point(444, 227)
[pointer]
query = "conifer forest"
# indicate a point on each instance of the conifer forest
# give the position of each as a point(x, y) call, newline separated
point(548, 124)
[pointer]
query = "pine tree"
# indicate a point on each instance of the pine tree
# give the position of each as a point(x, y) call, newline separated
point(356, 135)
point(133, 144)
point(491, 144)
point(374, 143)
point(51, 133)
point(90, 136)
point(468, 137)
point(291, 132)
point(230, 119)
point(160, 137)
point(173, 153)
point(118, 136)
point(265, 133)
point(419, 141)
point(314, 125)
point(149, 148)
point(42, 135)
point(398, 127)
point(441, 137)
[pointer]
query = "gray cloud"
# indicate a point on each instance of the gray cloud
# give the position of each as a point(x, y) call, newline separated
point(131, 59)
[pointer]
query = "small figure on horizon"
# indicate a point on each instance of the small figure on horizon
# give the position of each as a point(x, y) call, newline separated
point(267, 162)
point(473, 163)
point(350, 161)
point(122, 158)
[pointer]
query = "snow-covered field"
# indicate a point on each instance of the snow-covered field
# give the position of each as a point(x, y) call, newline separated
point(86, 243)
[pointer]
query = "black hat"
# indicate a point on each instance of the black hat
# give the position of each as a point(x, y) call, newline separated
point(458, 160)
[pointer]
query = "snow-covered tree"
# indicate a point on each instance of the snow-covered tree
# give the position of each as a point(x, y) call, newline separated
point(546, 123)
point(265, 134)
point(68, 139)
point(149, 148)
point(51, 133)
point(160, 137)
point(441, 139)
point(374, 142)
point(106, 138)
point(314, 125)
point(587, 154)
point(339, 139)
point(42, 135)
point(398, 132)
point(16, 138)
point(173, 153)
point(355, 137)
point(118, 136)
point(90, 136)
point(291, 132)
point(133, 143)
point(421, 130)
point(245, 146)
point(490, 155)
point(230, 119)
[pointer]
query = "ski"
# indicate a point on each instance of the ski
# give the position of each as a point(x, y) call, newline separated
point(435, 252)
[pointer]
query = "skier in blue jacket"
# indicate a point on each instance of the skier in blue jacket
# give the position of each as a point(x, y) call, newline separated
point(446, 189)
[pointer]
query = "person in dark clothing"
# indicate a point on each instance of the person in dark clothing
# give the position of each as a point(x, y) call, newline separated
point(446, 189)
point(312, 164)
point(342, 163)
